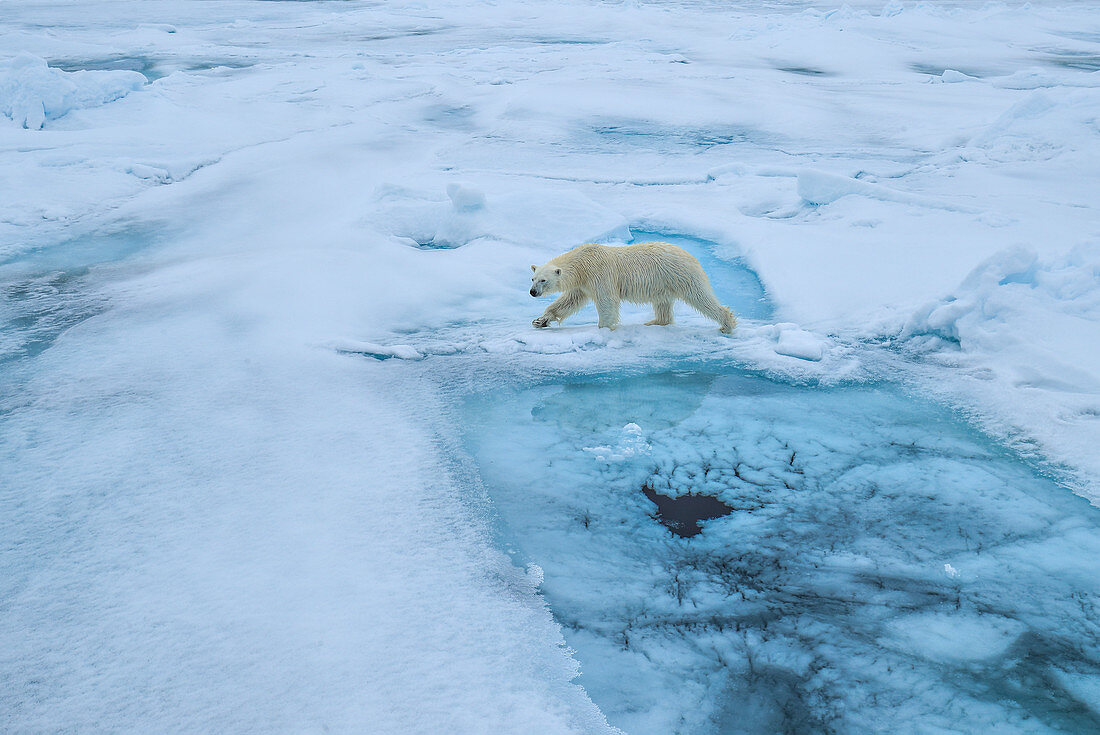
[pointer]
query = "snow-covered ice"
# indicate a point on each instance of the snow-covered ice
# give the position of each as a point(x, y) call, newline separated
point(31, 92)
point(223, 506)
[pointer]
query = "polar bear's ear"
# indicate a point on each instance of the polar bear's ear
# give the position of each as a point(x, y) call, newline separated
point(557, 271)
point(534, 268)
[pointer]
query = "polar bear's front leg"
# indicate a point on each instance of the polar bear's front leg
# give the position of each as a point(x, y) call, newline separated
point(564, 306)
point(607, 306)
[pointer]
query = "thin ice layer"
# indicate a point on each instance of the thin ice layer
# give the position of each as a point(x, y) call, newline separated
point(883, 563)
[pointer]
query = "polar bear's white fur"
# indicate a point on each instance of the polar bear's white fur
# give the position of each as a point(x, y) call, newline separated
point(655, 273)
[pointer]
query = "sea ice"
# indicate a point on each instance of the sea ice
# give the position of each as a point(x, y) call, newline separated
point(215, 518)
point(821, 602)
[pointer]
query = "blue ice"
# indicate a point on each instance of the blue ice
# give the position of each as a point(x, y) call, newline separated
point(885, 567)
point(91, 248)
point(46, 289)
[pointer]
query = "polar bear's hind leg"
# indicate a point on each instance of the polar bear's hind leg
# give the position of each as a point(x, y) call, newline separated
point(708, 306)
point(662, 314)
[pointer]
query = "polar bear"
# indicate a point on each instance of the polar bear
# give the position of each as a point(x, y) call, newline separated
point(655, 273)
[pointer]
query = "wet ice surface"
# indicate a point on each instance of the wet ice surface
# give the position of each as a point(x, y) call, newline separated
point(47, 289)
point(882, 562)
point(108, 245)
point(36, 308)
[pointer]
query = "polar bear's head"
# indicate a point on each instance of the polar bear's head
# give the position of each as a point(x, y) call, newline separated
point(545, 279)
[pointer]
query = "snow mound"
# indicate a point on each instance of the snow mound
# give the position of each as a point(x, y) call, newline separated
point(465, 198)
point(31, 92)
point(553, 221)
point(1041, 126)
point(1014, 300)
point(1038, 319)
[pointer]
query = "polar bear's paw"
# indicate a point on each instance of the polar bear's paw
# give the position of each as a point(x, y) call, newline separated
point(729, 322)
point(541, 323)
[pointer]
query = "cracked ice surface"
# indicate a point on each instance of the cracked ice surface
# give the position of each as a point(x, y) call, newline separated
point(883, 562)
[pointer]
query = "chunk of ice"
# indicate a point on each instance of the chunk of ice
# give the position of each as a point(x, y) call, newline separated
point(31, 92)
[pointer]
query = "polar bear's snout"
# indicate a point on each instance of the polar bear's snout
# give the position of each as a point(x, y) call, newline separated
point(545, 280)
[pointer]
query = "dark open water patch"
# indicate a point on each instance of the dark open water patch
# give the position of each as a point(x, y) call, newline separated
point(683, 515)
point(884, 568)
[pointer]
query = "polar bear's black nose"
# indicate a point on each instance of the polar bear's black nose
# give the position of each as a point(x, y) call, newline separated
point(533, 292)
